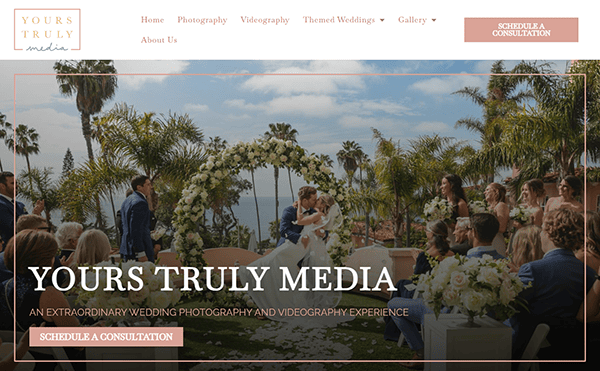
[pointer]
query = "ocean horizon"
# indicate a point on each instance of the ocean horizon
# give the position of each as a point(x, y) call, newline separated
point(244, 212)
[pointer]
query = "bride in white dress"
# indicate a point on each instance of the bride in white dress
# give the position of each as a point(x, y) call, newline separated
point(312, 251)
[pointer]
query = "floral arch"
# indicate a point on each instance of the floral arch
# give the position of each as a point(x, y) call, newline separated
point(247, 156)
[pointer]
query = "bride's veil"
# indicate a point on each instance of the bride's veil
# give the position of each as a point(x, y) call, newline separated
point(333, 219)
point(317, 256)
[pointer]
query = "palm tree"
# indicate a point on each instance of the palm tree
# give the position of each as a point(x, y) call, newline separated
point(46, 189)
point(325, 159)
point(281, 131)
point(24, 140)
point(4, 125)
point(501, 98)
point(93, 82)
point(166, 147)
point(398, 181)
point(551, 135)
point(368, 197)
point(410, 177)
point(169, 147)
point(349, 157)
point(91, 181)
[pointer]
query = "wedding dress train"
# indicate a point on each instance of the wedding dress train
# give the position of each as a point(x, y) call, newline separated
point(293, 306)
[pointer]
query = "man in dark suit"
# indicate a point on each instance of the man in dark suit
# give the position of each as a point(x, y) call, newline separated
point(10, 209)
point(557, 289)
point(307, 198)
point(136, 243)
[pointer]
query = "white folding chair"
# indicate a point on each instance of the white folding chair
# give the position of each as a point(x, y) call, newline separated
point(57, 352)
point(533, 347)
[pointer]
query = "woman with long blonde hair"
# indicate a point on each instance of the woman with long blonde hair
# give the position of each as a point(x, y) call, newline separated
point(527, 246)
point(93, 247)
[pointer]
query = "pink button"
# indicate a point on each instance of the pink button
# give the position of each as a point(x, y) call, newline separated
point(521, 29)
point(106, 336)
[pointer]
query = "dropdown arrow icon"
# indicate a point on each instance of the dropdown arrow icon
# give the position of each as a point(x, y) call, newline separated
point(382, 19)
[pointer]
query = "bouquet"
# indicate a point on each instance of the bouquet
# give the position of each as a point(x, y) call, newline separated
point(438, 209)
point(158, 233)
point(150, 296)
point(476, 207)
point(522, 214)
point(476, 285)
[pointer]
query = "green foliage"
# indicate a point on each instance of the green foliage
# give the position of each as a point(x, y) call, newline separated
point(94, 179)
point(418, 239)
point(350, 157)
point(222, 198)
point(274, 229)
point(39, 186)
point(244, 234)
point(410, 177)
point(503, 96)
point(285, 132)
point(168, 146)
point(68, 163)
point(4, 125)
point(549, 136)
point(93, 82)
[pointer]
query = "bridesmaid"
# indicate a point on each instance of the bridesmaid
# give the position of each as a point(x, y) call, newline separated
point(495, 195)
point(451, 188)
point(531, 193)
point(569, 188)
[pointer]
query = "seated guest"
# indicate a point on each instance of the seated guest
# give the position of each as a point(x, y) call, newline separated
point(527, 246)
point(591, 252)
point(33, 249)
point(38, 223)
point(34, 222)
point(67, 236)
point(592, 304)
point(437, 247)
point(8, 362)
point(484, 227)
point(592, 256)
point(461, 236)
point(93, 248)
point(557, 289)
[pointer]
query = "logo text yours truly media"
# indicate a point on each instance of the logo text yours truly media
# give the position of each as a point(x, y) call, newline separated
point(47, 30)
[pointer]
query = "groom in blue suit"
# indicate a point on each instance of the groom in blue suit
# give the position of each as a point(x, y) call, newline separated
point(136, 243)
point(307, 198)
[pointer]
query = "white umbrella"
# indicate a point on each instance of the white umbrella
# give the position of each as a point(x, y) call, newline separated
point(252, 245)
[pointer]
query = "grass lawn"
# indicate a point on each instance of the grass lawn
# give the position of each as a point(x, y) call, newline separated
point(224, 338)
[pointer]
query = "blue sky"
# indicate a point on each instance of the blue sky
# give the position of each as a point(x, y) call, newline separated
point(326, 110)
